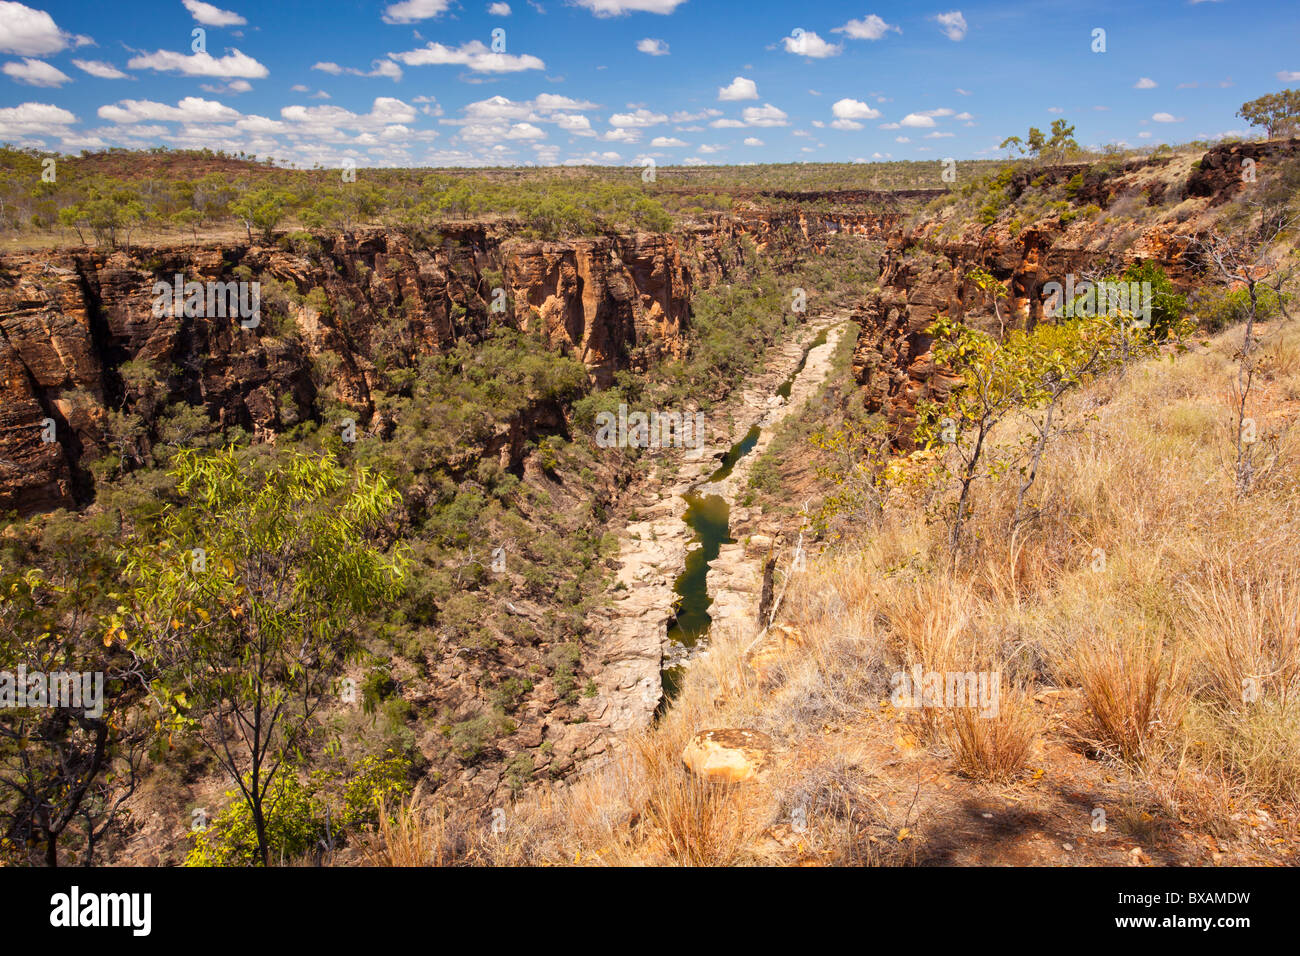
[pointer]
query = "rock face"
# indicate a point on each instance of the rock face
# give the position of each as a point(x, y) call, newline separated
point(728, 756)
point(924, 270)
point(75, 326)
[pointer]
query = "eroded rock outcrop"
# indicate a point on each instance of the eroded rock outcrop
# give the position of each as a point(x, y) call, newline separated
point(76, 327)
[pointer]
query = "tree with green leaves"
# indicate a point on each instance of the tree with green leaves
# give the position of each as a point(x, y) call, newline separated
point(1278, 113)
point(245, 598)
point(1025, 371)
point(261, 209)
point(66, 766)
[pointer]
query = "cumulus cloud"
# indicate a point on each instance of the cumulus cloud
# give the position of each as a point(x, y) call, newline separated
point(200, 64)
point(870, 27)
point(29, 32)
point(105, 71)
point(409, 11)
point(850, 109)
point(211, 16)
point(1286, 76)
point(1145, 83)
point(36, 73)
point(33, 119)
point(667, 141)
point(809, 44)
point(473, 54)
point(953, 25)
point(614, 8)
point(499, 9)
point(1166, 118)
point(192, 109)
point(652, 47)
point(638, 118)
point(377, 68)
point(739, 89)
point(765, 115)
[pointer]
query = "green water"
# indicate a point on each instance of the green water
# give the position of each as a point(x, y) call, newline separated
point(788, 384)
point(709, 516)
point(737, 452)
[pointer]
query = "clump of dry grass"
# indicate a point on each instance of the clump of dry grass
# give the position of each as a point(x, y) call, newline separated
point(1134, 695)
point(994, 747)
point(412, 835)
point(693, 822)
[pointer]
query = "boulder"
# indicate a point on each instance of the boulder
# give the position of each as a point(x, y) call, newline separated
point(728, 756)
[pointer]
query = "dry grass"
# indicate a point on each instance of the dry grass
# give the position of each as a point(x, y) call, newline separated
point(998, 747)
point(1143, 591)
point(1133, 690)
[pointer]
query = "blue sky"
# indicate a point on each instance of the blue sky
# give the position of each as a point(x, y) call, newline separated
point(426, 82)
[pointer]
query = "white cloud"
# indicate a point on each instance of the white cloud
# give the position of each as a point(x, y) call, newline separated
point(953, 25)
point(574, 123)
point(664, 142)
point(29, 32)
point(326, 121)
point(36, 73)
point(499, 9)
point(765, 115)
point(377, 68)
point(1145, 134)
point(682, 116)
point(614, 8)
point(622, 135)
point(473, 54)
point(963, 116)
point(937, 135)
point(191, 109)
point(917, 120)
point(234, 86)
point(639, 117)
point(545, 102)
point(712, 148)
point(962, 92)
point(200, 64)
point(854, 110)
point(809, 44)
point(1286, 76)
point(211, 16)
point(1166, 118)
point(32, 119)
point(739, 89)
point(753, 141)
point(870, 27)
point(105, 71)
point(652, 47)
point(1145, 83)
point(901, 139)
point(409, 11)
point(727, 124)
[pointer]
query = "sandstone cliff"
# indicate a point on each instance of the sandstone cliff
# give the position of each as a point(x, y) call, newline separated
point(71, 320)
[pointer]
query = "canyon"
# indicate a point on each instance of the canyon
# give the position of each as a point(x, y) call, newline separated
point(76, 325)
